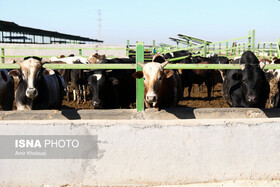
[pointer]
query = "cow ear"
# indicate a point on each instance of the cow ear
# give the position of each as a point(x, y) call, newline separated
point(138, 74)
point(168, 73)
point(242, 66)
point(48, 72)
point(14, 72)
point(237, 76)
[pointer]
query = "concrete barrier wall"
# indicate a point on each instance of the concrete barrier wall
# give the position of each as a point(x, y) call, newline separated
point(118, 52)
point(151, 152)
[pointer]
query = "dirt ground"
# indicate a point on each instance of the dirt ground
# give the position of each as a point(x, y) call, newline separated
point(198, 99)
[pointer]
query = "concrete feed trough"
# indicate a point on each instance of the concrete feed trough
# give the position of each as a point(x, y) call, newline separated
point(150, 148)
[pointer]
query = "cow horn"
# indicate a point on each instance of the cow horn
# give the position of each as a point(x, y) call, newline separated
point(164, 63)
point(141, 64)
point(262, 65)
point(242, 66)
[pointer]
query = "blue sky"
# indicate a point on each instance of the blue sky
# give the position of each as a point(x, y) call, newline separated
point(147, 20)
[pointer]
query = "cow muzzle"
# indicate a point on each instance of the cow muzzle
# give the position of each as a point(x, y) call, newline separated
point(152, 99)
point(31, 92)
point(97, 104)
point(251, 99)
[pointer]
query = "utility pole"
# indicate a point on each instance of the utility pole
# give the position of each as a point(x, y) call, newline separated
point(99, 24)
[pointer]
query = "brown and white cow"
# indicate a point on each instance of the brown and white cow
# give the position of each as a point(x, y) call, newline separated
point(39, 88)
point(162, 87)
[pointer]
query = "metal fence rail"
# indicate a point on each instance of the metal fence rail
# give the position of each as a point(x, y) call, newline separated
point(268, 48)
point(78, 49)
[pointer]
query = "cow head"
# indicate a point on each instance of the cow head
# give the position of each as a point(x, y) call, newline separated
point(153, 76)
point(251, 78)
point(30, 73)
point(102, 84)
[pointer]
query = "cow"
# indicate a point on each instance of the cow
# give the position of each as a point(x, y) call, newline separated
point(162, 88)
point(70, 59)
point(78, 82)
point(38, 88)
point(177, 54)
point(117, 61)
point(158, 58)
point(275, 100)
point(200, 76)
point(246, 87)
point(74, 79)
point(112, 88)
point(273, 77)
point(94, 59)
point(6, 90)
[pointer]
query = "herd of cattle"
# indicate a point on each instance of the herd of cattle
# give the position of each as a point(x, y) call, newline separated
point(41, 88)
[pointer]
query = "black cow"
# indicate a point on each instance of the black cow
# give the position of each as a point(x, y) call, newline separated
point(177, 54)
point(276, 98)
point(247, 87)
point(6, 90)
point(117, 61)
point(38, 88)
point(75, 81)
point(112, 88)
point(200, 76)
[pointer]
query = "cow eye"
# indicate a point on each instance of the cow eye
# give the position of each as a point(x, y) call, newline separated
point(160, 78)
point(144, 78)
point(244, 81)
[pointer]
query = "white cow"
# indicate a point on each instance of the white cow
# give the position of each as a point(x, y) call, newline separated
point(70, 60)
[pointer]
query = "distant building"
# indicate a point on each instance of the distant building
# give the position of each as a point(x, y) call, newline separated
point(11, 32)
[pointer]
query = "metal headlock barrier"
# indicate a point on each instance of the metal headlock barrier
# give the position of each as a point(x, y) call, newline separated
point(204, 49)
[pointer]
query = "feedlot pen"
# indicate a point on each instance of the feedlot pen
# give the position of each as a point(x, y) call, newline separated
point(183, 145)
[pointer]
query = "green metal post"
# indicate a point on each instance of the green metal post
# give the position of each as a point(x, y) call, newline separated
point(253, 41)
point(233, 51)
point(220, 47)
point(227, 49)
point(258, 49)
point(127, 47)
point(154, 46)
point(2, 55)
point(139, 82)
point(80, 52)
point(270, 51)
point(249, 41)
point(204, 48)
point(239, 51)
point(263, 50)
